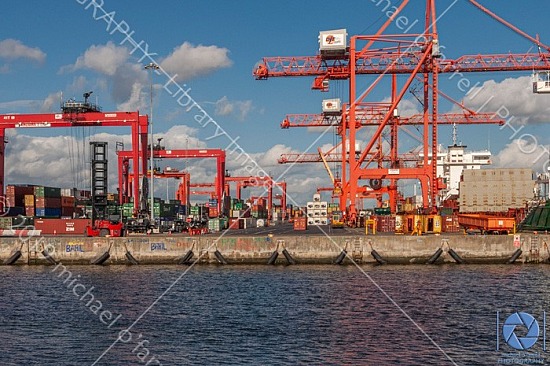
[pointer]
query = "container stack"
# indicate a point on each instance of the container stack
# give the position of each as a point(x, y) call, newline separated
point(67, 206)
point(317, 211)
point(239, 209)
point(495, 190)
point(213, 208)
point(217, 224)
point(385, 221)
point(29, 205)
point(258, 209)
point(47, 201)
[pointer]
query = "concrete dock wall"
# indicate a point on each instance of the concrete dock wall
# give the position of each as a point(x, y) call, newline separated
point(257, 250)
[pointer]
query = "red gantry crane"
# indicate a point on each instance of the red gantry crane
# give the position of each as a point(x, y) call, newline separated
point(81, 114)
point(124, 158)
point(412, 55)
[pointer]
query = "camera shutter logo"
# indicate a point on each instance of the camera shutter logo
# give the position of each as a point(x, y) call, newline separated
point(522, 323)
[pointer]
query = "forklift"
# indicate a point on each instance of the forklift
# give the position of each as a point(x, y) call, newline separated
point(103, 222)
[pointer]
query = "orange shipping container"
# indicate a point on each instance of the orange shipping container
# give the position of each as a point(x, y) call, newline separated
point(29, 200)
point(300, 223)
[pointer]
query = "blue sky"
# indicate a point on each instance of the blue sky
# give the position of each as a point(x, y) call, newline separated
point(220, 42)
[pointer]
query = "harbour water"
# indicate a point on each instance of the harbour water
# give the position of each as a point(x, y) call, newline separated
point(262, 315)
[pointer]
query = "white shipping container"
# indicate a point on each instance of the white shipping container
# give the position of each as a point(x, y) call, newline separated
point(324, 204)
point(310, 205)
point(317, 197)
point(316, 213)
point(324, 221)
point(311, 221)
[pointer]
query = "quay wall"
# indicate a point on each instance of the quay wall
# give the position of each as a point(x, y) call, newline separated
point(393, 249)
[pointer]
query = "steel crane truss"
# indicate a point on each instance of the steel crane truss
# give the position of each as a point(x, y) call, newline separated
point(138, 124)
point(414, 55)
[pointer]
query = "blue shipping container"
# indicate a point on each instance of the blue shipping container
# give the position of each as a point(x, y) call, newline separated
point(48, 212)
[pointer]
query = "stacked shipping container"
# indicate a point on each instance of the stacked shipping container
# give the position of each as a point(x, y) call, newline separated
point(495, 190)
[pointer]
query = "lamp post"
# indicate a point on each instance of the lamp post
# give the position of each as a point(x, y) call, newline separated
point(151, 67)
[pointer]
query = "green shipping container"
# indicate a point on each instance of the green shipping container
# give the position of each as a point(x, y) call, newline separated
point(382, 211)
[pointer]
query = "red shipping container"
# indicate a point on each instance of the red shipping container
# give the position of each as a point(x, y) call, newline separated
point(300, 223)
point(49, 202)
point(62, 226)
point(385, 224)
point(236, 223)
point(16, 194)
point(67, 201)
point(29, 211)
point(212, 212)
point(450, 224)
point(67, 211)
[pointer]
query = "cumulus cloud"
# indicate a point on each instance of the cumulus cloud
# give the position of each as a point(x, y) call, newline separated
point(105, 59)
point(239, 108)
point(520, 153)
point(188, 61)
point(127, 79)
point(510, 97)
point(13, 49)
point(51, 103)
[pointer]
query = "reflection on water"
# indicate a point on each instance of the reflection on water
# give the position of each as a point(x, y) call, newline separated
point(257, 315)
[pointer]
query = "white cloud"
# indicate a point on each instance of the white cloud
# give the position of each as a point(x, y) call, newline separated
point(510, 97)
point(188, 61)
point(51, 103)
point(226, 107)
point(12, 49)
point(15, 106)
point(136, 101)
point(127, 79)
point(105, 59)
point(521, 153)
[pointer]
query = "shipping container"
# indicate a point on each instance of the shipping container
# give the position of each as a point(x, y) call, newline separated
point(15, 194)
point(213, 212)
point(75, 227)
point(67, 211)
point(29, 211)
point(49, 192)
point(47, 202)
point(235, 223)
point(379, 211)
point(385, 223)
point(300, 224)
point(47, 212)
point(29, 200)
point(14, 211)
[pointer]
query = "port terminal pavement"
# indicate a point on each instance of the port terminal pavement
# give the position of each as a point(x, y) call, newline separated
point(263, 246)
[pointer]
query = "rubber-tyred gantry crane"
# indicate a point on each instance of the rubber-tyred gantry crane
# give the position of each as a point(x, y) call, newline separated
point(414, 55)
point(124, 158)
point(80, 114)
